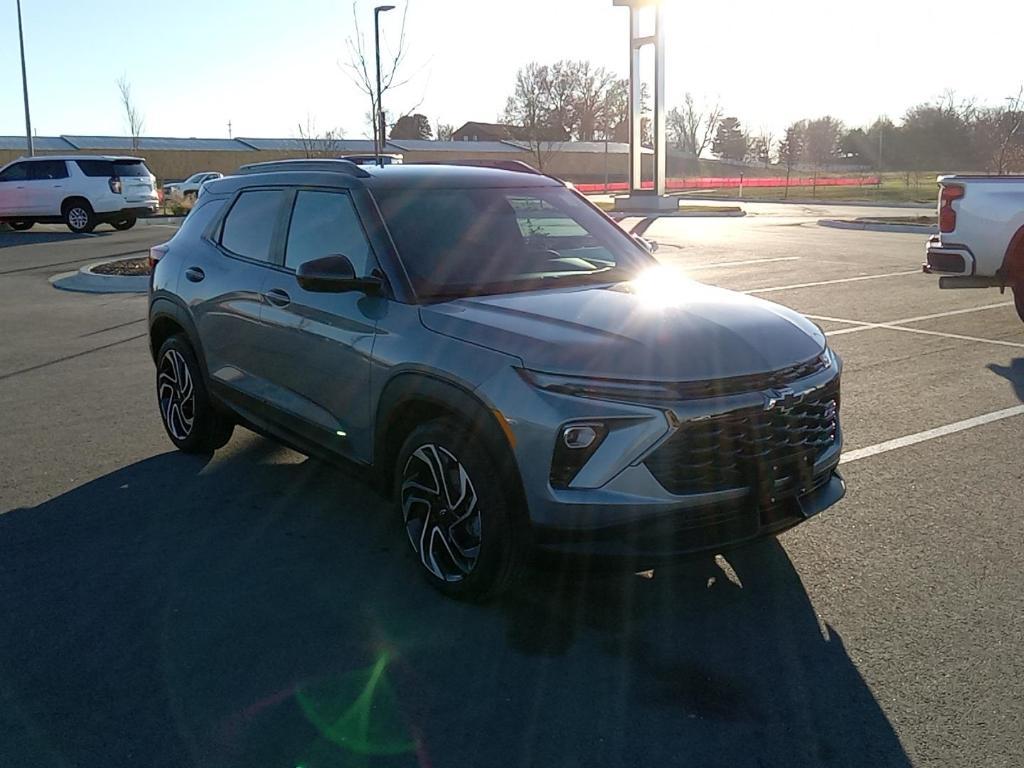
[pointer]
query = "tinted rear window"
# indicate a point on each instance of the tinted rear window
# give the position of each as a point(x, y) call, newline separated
point(130, 168)
point(47, 170)
point(113, 167)
point(96, 167)
point(250, 223)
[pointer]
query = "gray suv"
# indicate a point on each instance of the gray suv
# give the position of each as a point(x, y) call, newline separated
point(514, 367)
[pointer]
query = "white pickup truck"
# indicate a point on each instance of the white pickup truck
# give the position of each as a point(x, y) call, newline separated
point(981, 234)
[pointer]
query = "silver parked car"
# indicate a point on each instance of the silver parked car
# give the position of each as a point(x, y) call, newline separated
point(517, 369)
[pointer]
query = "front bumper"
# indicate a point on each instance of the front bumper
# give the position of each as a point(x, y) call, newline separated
point(690, 532)
point(624, 501)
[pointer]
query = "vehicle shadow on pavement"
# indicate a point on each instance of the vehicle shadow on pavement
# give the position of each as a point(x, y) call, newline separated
point(248, 611)
point(11, 239)
point(1013, 373)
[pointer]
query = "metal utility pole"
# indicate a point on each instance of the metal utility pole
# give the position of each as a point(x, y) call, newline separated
point(24, 86)
point(379, 133)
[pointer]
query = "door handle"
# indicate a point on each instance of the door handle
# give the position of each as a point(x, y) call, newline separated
point(194, 274)
point(278, 298)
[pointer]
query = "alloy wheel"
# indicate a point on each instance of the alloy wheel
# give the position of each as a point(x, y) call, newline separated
point(176, 394)
point(441, 512)
point(78, 217)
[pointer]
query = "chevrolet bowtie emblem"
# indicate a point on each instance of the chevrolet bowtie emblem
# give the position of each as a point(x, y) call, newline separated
point(774, 398)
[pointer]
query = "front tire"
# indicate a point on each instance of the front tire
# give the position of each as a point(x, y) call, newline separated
point(79, 217)
point(21, 226)
point(459, 511)
point(187, 413)
point(123, 224)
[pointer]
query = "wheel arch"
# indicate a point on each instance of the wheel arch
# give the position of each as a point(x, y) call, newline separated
point(1013, 262)
point(67, 201)
point(168, 317)
point(411, 399)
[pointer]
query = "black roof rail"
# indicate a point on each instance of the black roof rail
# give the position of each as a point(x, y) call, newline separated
point(505, 165)
point(337, 165)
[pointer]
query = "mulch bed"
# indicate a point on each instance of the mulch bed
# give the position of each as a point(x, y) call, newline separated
point(124, 267)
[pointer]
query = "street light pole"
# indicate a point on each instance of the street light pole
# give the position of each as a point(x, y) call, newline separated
point(379, 142)
point(24, 86)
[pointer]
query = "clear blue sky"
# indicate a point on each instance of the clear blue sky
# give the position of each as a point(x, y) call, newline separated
point(266, 66)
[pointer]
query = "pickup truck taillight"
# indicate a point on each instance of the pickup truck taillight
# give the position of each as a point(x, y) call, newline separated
point(115, 185)
point(947, 216)
point(156, 253)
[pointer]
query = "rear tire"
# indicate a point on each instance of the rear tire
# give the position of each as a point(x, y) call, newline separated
point(1018, 298)
point(21, 226)
point(123, 224)
point(460, 511)
point(79, 216)
point(188, 415)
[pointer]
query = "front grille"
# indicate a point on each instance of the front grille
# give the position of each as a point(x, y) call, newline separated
point(693, 390)
point(772, 452)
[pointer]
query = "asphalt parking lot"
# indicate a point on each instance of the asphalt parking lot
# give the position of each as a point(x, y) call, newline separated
point(259, 608)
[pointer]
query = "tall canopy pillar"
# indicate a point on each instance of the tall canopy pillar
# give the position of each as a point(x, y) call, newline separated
point(640, 198)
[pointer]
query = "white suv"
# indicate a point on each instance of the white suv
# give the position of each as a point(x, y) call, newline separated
point(80, 190)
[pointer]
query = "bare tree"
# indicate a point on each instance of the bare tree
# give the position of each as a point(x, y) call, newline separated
point(692, 128)
point(592, 100)
point(765, 146)
point(134, 119)
point(315, 144)
point(361, 66)
point(444, 131)
point(1011, 130)
point(529, 109)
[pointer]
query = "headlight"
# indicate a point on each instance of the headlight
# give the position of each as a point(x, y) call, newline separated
point(601, 389)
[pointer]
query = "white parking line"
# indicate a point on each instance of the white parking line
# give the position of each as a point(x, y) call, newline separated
point(961, 337)
point(716, 265)
point(931, 434)
point(833, 282)
point(866, 326)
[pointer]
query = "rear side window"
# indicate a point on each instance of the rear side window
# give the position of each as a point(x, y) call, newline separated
point(326, 224)
point(45, 170)
point(17, 172)
point(249, 226)
point(107, 168)
point(103, 168)
point(130, 168)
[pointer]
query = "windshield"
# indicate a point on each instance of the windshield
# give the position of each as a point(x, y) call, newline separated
point(461, 242)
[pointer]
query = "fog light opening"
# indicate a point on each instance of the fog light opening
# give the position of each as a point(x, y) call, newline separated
point(582, 436)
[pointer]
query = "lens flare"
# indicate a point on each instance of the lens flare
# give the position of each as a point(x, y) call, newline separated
point(662, 287)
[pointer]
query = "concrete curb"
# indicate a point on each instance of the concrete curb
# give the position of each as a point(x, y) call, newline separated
point(150, 221)
point(85, 280)
point(677, 214)
point(917, 229)
point(815, 201)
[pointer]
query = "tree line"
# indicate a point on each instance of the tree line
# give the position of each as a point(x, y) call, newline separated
point(574, 100)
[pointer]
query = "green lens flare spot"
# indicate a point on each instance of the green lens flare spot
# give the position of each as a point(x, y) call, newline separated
point(358, 712)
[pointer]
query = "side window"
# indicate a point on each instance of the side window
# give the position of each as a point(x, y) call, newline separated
point(249, 226)
point(325, 224)
point(48, 170)
point(96, 168)
point(17, 172)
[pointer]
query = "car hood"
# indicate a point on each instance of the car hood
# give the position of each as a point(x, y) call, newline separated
point(656, 329)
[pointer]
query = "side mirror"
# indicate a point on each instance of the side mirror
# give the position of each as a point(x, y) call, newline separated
point(648, 245)
point(334, 274)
